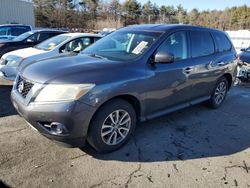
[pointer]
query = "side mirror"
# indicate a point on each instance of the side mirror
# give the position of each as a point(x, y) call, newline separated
point(163, 57)
point(29, 40)
point(76, 51)
point(243, 49)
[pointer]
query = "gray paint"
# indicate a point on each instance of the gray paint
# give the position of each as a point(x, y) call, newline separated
point(158, 88)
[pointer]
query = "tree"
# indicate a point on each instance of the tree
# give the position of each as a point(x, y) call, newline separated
point(167, 13)
point(107, 13)
point(148, 10)
point(115, 9)
point(181, 14)
point(132, 10)
point(193, 16)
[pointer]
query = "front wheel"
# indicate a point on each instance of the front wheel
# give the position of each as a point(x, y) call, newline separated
point(112, 126)
point(219, 93)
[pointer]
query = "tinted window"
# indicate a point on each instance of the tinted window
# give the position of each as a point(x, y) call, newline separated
point(4, 30)
point(222, 42)
point(176, 44)
point(96, 39)
point(16, 31)
point(43, 36)
point(201, 43)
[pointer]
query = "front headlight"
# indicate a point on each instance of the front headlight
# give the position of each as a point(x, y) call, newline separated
point(15, 61)
point(68, 92)
point(2, 61)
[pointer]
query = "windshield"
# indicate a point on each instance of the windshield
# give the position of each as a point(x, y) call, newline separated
point(23, 36)
point(123, 45)
point(51, 43)
point(248, 49)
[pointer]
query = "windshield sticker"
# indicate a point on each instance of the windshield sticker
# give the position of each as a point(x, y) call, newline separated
point(138, 49)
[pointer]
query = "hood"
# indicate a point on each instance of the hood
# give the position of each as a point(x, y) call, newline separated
point(245, 57)
point(23, 53)
point(70, 70)
point(5, 41)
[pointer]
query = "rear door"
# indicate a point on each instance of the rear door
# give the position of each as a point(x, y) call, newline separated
point(169, 84)
point(225, 51)
point(203, 72)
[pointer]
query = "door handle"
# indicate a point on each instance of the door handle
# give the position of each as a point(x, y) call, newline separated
point(188, 70)
point(221, 63)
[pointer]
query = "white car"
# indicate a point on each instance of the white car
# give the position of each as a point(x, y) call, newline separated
point(55, 46)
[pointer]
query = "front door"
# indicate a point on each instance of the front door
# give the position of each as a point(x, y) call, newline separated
point(168, 84)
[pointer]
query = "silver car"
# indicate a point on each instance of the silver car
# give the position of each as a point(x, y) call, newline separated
point(55, 46)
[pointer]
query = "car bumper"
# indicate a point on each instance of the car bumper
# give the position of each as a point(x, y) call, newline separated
point(74, 116)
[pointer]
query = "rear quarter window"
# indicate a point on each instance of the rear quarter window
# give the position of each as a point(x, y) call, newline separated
point(201, 43)
point(222, 42)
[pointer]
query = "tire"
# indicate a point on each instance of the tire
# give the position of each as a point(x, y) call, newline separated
point(219, 93)
point(105, 131)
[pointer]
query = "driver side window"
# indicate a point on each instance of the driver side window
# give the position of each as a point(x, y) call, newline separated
point(176, 44)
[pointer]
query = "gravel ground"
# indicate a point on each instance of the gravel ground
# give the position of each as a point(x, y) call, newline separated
point(194, 147)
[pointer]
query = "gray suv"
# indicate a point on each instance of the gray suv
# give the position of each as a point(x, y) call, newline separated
point(134, 74)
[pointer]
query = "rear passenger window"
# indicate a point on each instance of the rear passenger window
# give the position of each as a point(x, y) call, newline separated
point(176, 44)
point(202, 43)
point(222, 42)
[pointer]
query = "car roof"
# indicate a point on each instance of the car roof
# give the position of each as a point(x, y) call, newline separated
point(4, 25)
point(47, 30)
point(166, 27)
point(81, 35)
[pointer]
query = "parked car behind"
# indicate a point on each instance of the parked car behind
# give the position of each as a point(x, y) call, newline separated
point(28, 39)
point(244, 56)
point(58, 45)
point(10, 31)
point(134, 74)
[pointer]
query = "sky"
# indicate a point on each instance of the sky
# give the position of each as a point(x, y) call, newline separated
point(201, 4)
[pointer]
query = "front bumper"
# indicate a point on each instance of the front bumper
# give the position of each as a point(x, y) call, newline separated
point(75, 116)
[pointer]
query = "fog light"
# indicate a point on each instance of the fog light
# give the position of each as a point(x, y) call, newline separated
point(56, 128)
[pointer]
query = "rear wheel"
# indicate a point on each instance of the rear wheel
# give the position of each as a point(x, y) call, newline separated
point(219, 93)
point(112, 126)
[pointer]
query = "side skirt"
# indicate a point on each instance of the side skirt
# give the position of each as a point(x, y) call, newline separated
point(175, 108)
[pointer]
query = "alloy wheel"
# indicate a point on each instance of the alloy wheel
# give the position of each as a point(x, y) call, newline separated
point(116, 127)
point(220, 93)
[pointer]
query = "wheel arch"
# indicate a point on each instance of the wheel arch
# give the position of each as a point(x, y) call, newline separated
point(229, 78)
point(132, 100)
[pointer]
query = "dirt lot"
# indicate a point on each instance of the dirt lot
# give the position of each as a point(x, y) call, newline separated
point(195, 147)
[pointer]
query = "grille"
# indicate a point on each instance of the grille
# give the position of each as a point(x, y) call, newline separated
point(23, 86)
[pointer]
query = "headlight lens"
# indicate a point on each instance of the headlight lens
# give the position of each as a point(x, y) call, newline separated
point(14, 61)
point(1, 61)
point(55, 93)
